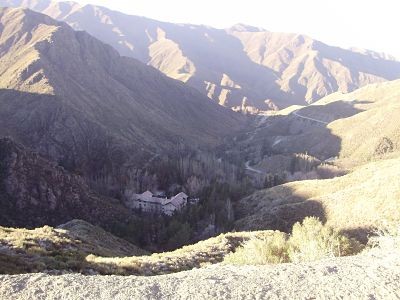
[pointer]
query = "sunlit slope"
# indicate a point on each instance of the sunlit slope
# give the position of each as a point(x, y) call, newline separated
point(242, 67)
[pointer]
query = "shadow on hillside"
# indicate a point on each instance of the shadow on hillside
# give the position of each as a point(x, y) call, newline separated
point(60, 132)
point(305, 130)
point(218, 53)
point(281, 207)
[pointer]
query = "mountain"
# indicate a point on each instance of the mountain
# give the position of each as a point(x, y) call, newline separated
point(37, 192)
point(354, 128)
point(242, 67)
point(78, 102)
point(355, 137)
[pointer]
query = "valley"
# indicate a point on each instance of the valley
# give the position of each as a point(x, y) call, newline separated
point(175, 156)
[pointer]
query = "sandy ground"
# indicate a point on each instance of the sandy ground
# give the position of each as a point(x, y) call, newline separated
point(362, 277)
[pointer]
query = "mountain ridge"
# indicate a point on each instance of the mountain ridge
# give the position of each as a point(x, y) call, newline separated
point(78, 102)
point(243, 68)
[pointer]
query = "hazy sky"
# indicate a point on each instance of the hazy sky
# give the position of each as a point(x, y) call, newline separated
point(366, 24)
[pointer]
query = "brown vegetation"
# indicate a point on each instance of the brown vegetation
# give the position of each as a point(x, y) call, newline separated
point(309, 241)
point(355, 203)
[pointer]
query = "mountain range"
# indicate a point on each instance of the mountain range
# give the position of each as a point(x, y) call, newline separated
point(243, 67)
point(76, 101)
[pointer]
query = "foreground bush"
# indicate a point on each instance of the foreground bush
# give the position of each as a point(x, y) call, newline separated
point(309, 241)
point(270, 250)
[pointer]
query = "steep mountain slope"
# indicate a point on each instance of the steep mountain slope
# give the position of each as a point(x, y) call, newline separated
point(75, 100)
point(314, 68)
point(36, 192)
point(243, 67)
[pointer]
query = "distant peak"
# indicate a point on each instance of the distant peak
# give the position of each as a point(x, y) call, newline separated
point(246, 28)
point(374, 54)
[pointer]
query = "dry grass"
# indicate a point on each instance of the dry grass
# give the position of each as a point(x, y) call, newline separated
point(47, 248)
point(98, 241)
point(270, 250)
point(386, 237)
point(81, 247)
point(312, 241)
point(309, 241)
point(194, 256)
point(352, 203)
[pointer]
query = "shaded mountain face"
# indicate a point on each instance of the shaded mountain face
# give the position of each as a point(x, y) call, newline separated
point(78, 102)
point(37, 192)
point(244, 68)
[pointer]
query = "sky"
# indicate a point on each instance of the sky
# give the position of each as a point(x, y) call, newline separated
point(366, 24)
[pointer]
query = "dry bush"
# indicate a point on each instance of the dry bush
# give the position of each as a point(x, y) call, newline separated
point(312, 241)
point(270, 250)
point(327, 171)
point(309, 241)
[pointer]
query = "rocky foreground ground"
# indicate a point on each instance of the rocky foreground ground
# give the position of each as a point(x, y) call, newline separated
point(367, 276)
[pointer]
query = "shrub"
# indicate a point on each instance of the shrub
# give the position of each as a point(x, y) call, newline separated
point(309, 241)
point(312, 241)
point(270, 250)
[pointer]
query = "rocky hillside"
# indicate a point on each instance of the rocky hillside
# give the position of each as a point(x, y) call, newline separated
point(243, 67)
point(78, 102)
point(35, 192)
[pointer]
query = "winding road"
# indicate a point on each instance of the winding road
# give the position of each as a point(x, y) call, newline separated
point(308, 118)
point(248, 168)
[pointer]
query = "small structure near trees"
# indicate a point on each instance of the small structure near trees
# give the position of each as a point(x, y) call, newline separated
point(150, 203)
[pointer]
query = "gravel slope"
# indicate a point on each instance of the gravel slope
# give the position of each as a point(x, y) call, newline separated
point(369, 276)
